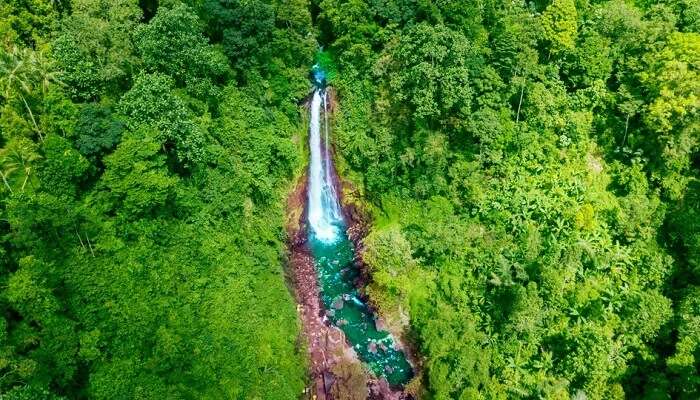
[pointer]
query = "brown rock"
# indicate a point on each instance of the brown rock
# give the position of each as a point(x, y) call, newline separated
point(372, 347)
point(338, 303)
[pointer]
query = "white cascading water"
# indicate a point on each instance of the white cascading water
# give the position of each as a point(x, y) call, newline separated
point(334, 253)
point(328, 165)
point(325, 216)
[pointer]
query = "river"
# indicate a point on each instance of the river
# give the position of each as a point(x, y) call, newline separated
point(334, 256)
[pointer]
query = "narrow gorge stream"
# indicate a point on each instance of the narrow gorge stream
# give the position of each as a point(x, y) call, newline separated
point(334, 254)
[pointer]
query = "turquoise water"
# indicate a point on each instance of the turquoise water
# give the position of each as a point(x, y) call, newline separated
point(346, 310)
point(333, 255)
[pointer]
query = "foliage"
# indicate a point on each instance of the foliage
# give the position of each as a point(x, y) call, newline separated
point(429, 68)
point(559, 23)
point(172, 43)
point(141, 218)
point(533, 194)
point(152, 103)
point(94, 47)
point(532, 171)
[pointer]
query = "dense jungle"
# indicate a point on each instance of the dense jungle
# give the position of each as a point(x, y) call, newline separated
point(529, 172)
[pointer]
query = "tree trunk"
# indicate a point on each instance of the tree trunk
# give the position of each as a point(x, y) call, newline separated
point(520, 103)
point(31, 115)
point(4, 179)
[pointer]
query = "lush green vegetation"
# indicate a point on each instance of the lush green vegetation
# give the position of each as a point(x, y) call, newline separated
point(144, 169)
point(533, 171)
point(532, 168)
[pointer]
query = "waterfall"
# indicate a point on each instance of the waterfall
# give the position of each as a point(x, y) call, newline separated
point(325, 216)
point(334, 255)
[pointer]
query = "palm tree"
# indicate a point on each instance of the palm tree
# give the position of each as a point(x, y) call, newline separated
point(23, 70)
point(19, 155)
point(44, 71)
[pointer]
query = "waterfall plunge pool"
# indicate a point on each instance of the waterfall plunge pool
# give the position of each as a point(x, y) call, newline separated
point(334, 255)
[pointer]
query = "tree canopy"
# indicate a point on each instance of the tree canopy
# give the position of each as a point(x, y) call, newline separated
point(141, 208)
point(531, 170)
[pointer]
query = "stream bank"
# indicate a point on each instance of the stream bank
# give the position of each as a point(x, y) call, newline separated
point(336, 371)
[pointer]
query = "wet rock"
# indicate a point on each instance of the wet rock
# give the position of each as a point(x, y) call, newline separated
point(379, 324)
point(338, 303)
point(328, 380)
point(330, 313)
point(372, 347)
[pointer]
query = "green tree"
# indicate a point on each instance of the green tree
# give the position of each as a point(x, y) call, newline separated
point(94, 47)
point(152, 104)
point(672, 82)
point(97, 131)
point(684, 363)
point(22, 73)
point(32, 19)
point(559, 21)
point(17, 160)
point(136, 178)
point(430, 68)
point(63, 168)
point(172, 43)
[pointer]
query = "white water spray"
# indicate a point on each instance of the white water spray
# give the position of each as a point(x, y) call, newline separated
point(325, 217)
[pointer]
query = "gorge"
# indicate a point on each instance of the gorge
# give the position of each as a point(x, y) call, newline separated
point(334, 254)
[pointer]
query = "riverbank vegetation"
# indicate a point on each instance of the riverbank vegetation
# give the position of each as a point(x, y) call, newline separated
point(533, 171)
point(532, 168)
